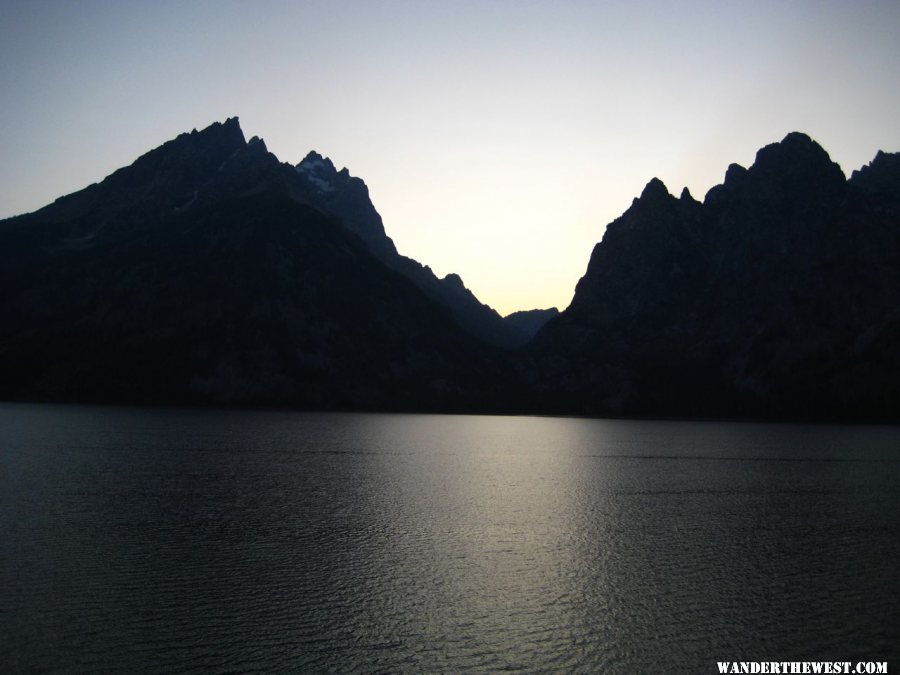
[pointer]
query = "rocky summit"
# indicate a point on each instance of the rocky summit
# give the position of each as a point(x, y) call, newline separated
point(208, 272)
point(777, 297)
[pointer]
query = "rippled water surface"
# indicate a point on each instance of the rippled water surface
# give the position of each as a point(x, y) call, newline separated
point(167, 540)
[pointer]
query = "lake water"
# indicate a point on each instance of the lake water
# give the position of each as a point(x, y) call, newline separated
point(140, 540)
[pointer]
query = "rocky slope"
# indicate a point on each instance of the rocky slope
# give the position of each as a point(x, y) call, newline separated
point(347, 198)
point(777, 296)
point(204, 273)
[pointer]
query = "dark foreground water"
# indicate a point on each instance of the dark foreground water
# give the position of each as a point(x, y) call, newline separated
point(167, 540)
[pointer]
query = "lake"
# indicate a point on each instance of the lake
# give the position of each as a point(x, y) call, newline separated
point(165, 540)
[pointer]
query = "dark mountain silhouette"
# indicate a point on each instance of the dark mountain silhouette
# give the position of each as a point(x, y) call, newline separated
point(778, 296)
point(209, 272)
point(205, 273)
point(347, 198)
point(530, 321)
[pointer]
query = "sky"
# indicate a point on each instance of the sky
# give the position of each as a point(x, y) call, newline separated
point(497, 138)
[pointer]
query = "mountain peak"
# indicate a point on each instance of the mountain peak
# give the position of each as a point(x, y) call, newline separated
point(227, 134)
point(318, 170)
point(316, 163)
point(796, 151)
point(654, 190)
point(734, 174)
point(454, 280)
point(173, 170)
point(796, 170)
point(256, 141)
point(734, 177)
point(798, 138)
point(230, 124)
point(880, 176)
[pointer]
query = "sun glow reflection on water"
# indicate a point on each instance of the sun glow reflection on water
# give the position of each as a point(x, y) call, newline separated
point(138, 539)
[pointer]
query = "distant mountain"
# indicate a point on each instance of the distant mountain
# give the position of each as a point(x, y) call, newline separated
point(347, 199)
point(777, 296)
point(207, 272)
point(530, 321)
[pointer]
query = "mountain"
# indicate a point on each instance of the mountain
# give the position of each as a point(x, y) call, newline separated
point(209, 272)
point(530, 321)
point(206, 272)
point(347, 198)
point(778, 296)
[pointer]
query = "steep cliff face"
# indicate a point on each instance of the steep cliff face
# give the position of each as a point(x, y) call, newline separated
point(347, 199)
point(777, 296)
point(203, 273)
